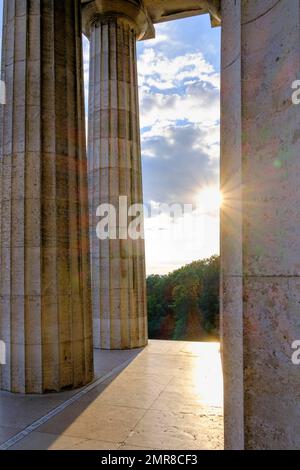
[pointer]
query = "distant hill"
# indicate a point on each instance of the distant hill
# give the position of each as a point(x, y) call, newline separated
point(184, 305)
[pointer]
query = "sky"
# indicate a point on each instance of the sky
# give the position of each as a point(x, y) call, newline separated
point(179, 83)
point(179, 89)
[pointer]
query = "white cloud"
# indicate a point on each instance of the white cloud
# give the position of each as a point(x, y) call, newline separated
point(199, 104)
point(164, 252)
point(176, 69)
point(180, 114)
point(160, 38)
point(185, 87)
point(177, 161)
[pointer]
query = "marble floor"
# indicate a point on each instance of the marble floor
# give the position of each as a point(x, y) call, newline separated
point(167, 396)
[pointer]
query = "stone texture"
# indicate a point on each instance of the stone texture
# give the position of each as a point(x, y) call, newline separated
point(45, 308)
point(260, 242)
point(42, 441)
point(45, 315)
point(114, 160)
point(231, 227)
point(166, 10)
point(139, 415)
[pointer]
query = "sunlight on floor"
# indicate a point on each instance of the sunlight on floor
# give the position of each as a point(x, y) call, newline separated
point(168, 396)
point(207, 376)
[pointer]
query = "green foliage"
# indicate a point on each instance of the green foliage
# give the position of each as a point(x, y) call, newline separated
point(157, 303)
point(209, 300)
point(188, 299)
point(180, 307)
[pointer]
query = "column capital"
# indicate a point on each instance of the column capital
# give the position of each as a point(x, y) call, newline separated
point(214, 9)
point(131, 11)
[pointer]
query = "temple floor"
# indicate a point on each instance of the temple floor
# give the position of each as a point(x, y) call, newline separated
point(167, 396)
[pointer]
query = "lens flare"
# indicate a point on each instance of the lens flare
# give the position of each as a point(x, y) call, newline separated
point(210, 199)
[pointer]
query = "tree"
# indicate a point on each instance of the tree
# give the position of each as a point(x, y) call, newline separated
point(189, 296)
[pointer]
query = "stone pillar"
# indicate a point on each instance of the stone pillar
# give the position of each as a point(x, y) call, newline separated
point(231, 227)
point(260, 223)
point(114, 165)
point(45, 308)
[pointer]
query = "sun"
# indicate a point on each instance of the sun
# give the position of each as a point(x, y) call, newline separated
point(210, 199)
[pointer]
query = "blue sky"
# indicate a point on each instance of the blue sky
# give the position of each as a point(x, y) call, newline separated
point(179, 78)
point(179, 75)
point(179, 96)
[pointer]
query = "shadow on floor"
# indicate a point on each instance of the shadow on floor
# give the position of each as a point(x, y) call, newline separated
point(168, 396)
point(18, 411)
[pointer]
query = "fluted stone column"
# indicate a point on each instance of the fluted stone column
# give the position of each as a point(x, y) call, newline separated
point(260, 223)
point(114, 165)
point(45, 308)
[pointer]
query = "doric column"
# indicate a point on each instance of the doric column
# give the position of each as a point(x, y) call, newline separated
point(260, 223)
point(114, 159)
point(45, 314)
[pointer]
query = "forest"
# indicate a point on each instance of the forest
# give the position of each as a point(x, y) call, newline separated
point(184, 305)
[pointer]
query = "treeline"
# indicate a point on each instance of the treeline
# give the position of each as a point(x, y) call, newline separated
point(184, 305)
